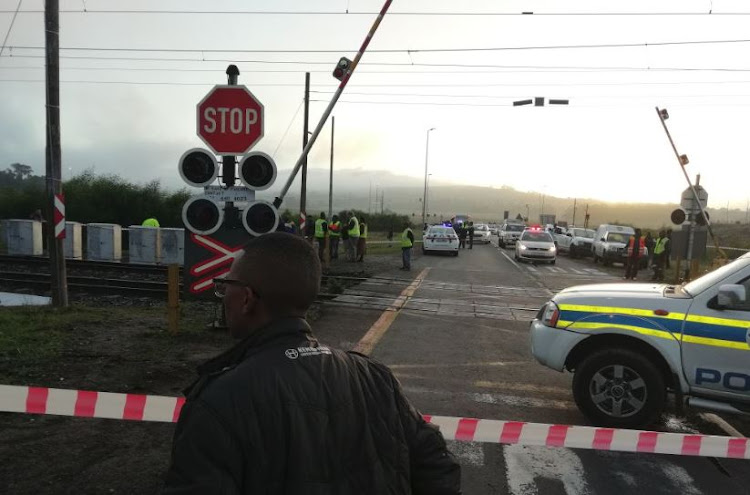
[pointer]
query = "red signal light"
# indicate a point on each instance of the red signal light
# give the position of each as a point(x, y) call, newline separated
point(341, 68)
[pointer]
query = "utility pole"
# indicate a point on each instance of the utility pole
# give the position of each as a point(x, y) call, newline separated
point(586, 218)
point(369, 200)
point(382, 202)
point(53, 154)
point(303, 193)
point(574, 211)
point(330, 178)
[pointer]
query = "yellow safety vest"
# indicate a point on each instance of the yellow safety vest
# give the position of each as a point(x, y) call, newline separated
point(319, 232)
point(363, 231)
point(405, 241)
point(335, 229)
point(661, 244)
point(354, 232)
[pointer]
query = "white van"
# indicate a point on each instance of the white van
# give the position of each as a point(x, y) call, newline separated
point(610, 243)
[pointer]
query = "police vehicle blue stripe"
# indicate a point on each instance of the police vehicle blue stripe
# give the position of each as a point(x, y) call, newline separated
point(667, 325)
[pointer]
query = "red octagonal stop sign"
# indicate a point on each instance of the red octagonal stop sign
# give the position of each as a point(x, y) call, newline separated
point(230, 120)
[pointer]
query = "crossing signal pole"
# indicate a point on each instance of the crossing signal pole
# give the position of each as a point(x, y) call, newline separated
point(303, 192)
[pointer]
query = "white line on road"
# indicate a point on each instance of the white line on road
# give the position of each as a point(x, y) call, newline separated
point(524, 465)
point(508, 258)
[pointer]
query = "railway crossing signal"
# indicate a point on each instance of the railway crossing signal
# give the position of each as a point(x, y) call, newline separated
point(222, 219)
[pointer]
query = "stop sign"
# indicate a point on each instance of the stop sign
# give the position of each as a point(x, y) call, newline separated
point(230, 120)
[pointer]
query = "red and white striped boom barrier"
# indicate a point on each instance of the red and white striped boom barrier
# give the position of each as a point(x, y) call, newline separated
point(137, 407)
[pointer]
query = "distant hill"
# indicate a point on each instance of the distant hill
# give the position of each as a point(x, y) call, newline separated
point(402, 194)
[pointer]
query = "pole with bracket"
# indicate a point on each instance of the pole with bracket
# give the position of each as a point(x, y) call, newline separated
point(53, 153)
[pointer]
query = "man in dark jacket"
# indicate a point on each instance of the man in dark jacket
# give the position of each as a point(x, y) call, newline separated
point(280, 413)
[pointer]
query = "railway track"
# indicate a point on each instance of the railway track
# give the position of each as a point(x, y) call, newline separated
point(91, 285)
point(43, 261)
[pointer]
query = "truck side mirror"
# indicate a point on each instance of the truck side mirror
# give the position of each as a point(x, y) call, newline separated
point(602, 239)
point(731, 295)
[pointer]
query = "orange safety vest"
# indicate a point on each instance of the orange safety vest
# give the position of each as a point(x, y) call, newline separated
point(641, 245)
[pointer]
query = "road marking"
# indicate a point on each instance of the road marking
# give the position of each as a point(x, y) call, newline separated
point(523, 387)
point(532, 269)
point(457, 365)
point(368, 342)
point(508, 258)
point(519, 401)
point(721, 423)
point(524, 465)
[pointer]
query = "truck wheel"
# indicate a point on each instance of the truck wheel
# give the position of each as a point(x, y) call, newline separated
point(619, 388)
point(572, 252)
point(596, 259)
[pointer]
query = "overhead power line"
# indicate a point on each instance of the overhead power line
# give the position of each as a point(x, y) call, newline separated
point(10, 28)
point(368, 13)
point(394, 50)
point(514, 68)
point(385, 73)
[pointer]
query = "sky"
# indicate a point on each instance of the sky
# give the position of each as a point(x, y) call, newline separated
point(131, 80)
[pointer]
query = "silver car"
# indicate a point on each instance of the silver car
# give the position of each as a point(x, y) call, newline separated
point(536, 245)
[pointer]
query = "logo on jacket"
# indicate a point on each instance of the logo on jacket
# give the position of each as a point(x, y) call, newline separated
point(291, 353)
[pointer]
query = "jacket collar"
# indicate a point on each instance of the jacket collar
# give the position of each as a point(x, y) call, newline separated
point(276, 330)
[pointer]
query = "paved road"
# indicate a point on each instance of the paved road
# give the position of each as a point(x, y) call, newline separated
point(460, 348)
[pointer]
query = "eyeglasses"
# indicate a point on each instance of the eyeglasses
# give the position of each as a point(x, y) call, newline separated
point(221, 284)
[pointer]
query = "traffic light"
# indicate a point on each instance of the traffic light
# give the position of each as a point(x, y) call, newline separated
point(260, 217)
point(202, 215)
point(257, 171)
point(198, 167)
point(341, 68)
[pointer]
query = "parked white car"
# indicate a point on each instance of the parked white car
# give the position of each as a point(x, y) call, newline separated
point(439, 238)
point(576, 242)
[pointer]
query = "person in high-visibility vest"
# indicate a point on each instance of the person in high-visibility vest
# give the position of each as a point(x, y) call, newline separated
point(407, 243)
point(659, 256)
point(321, 231)
point(362, 245)
point(150, 222)
point(334, 232)
point(353, 241)
point(636, 244)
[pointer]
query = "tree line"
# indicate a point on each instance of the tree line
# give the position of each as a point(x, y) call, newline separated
point(91, 198)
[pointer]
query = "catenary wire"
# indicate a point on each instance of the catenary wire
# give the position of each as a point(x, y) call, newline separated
point(510, 85)
point(513, 68)
point(393, 50)
point(347, 12)
point(10, 28)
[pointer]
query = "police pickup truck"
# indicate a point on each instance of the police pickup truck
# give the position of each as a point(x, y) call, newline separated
point(630, 344)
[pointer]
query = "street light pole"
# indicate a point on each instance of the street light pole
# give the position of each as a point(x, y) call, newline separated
point(426, 161)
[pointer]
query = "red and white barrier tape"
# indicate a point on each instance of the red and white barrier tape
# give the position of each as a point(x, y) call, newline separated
point(137, 407)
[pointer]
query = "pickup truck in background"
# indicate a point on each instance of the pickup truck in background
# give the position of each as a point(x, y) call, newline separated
point(628, 345)
point(575, 241)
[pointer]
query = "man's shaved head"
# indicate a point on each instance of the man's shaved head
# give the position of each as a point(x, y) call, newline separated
point(283, 270)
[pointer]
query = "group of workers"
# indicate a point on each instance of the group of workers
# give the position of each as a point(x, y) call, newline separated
point(657, 249)
point(465, 230)
point(353, 232)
